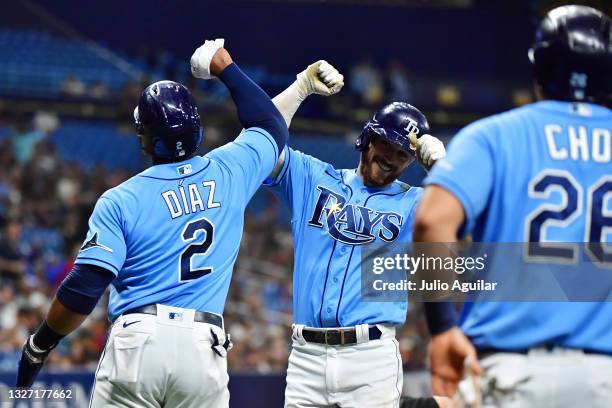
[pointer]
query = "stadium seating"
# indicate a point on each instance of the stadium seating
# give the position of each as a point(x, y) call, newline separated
point(94, 143)
point(34, 63)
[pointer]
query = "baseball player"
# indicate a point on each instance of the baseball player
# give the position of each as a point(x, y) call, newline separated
point(344, 350)
point(166, 241)
point(539, 173)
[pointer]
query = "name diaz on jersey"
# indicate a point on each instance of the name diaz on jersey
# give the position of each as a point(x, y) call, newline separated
point(187, 200)
point(353, 224)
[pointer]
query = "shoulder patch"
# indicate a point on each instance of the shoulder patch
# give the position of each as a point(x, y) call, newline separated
point(93, 243)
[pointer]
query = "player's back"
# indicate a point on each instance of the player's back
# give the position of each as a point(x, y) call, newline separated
point(177, 216)
point(550, 174)
point(171, 234)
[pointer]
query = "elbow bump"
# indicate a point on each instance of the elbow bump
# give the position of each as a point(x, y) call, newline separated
point(279, 132)
point(284, 132)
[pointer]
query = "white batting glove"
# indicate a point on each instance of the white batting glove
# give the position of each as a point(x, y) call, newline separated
point(320, 78)
point(429, 149)
point(469, 393)
point(200, 60)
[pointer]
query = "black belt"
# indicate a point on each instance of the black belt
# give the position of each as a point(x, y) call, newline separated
point(337, 337)
point(198, 317)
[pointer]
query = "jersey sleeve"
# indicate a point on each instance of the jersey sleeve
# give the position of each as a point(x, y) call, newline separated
point(250, 158)
point(293, 180)
point(467, 172)
point(105, 244)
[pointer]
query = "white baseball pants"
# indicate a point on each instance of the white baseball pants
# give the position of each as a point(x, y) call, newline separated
point(364, 375)
point(161, 361)
point(558, 378)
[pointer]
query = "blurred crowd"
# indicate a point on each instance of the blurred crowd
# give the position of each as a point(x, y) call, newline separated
point(45, 203)
point(73, 87)
point(369, 86)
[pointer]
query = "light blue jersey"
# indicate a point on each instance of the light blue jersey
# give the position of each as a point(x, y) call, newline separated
point(171, 233)
point(540, 173)
point(334, 217)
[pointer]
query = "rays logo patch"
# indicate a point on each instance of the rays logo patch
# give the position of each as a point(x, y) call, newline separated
point(93, 243)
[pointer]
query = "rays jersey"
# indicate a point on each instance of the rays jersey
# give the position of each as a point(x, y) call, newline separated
point(171, 233)
point(334, 216)
point(539, 173)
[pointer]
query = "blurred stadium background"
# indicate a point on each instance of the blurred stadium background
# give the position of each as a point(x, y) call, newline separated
point(70, 76)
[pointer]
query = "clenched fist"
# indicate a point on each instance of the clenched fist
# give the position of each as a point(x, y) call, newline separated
point(320, 78)
point(206, 62)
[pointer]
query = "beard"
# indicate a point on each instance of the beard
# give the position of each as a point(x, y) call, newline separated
point(376, 171)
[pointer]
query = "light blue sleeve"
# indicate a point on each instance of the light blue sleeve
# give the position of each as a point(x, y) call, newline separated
point(249, 159)
point(467, 172)
point(104, 245)
point(294, 180)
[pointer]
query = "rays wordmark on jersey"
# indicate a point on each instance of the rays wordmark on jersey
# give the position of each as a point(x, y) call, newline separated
point(353, 224)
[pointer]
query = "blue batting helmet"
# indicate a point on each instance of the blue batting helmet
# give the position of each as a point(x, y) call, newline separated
point(572, 55)
point(168, 122)
point(395, 122)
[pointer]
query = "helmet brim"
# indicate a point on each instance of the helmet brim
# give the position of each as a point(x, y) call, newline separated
point(394, 137)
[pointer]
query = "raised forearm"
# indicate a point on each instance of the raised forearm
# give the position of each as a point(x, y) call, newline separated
point(320, 78)
point(254, 107)
point(289, 101)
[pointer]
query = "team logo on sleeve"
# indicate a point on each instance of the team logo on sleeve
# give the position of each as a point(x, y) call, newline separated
point(93, 243)
point(353, 224)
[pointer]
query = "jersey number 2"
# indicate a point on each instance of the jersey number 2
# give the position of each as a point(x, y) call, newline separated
point(190, 232)
point(598, 218)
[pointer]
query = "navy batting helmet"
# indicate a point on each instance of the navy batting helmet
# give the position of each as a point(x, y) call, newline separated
point(572, 55)
point(395, 122)
point(168, 122)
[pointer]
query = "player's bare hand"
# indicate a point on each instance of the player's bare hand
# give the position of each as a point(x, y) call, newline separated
point(429, 149)
point(210, 59)
point(320, 78)
point(447, 354)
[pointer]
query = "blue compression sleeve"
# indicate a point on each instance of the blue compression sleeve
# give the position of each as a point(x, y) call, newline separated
point(46, 338)
point(83, 286)
point(255, 109)
point(440, 316)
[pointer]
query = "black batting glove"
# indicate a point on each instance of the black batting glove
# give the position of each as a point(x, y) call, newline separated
point(32, 360)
